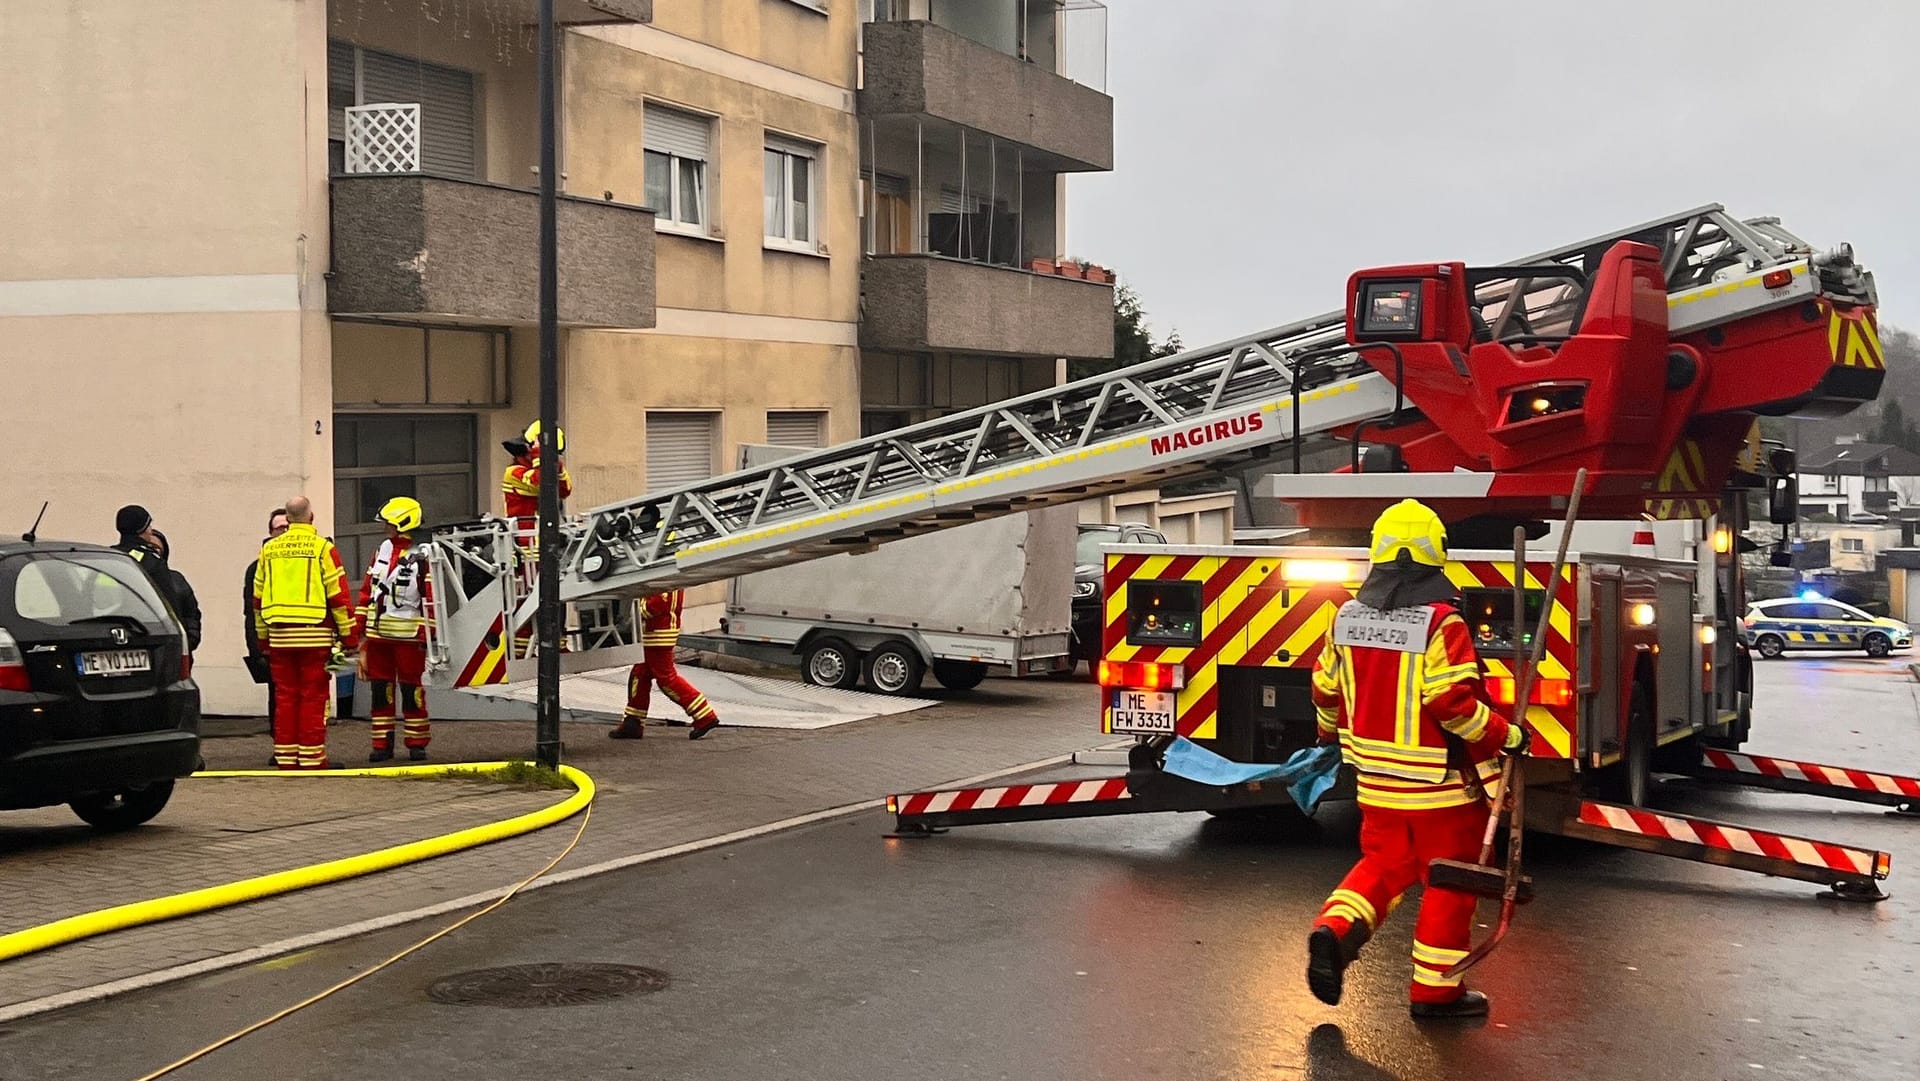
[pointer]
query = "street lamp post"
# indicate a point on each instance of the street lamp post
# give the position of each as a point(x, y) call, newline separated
point(548, 618)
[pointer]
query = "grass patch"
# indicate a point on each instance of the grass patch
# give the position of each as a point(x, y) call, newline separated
point(519, 773)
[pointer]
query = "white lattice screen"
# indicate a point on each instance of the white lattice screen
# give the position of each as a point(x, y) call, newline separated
point(383, 138)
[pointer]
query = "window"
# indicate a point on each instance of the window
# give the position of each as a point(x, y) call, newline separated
point(680, 449)
point(677, 148)
point(432, 458)
point(449, 118)
point(1833, 613)
point(789, 194)
point(796, 428)
point(1852, 544)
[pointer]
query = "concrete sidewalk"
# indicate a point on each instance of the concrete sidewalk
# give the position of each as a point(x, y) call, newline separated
point(655, 793)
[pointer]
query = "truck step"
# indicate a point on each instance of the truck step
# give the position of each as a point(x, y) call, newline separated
point(1788, 775)
point(1851, 872)
point(921, 813)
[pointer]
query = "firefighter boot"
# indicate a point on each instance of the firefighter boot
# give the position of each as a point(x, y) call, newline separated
point(415, 754)
point(630, 727)
point(1328, 955)
point(381, 754)
point(1470, 1004)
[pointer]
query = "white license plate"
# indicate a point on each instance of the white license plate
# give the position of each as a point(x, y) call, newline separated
point(115, 662)
point(1142, 711)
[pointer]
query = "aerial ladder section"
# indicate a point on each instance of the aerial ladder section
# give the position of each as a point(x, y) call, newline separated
point(1295, 388)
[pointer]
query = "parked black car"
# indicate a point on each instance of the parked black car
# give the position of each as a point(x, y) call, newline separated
point(1089, 581)
point(98, 708)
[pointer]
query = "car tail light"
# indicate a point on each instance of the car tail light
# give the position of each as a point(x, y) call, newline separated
point(1142, 675)
point(1543, 692)
point(13, 665)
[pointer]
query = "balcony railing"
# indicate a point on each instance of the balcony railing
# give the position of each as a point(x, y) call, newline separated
point(1065, 37)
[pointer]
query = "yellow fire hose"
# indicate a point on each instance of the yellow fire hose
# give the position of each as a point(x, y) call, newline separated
point(192, 902)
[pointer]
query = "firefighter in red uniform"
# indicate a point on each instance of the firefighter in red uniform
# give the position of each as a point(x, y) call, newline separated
point(1398, 684)
point(520, 491)
point(300, 607)
point(395, 603)
point(659, 635)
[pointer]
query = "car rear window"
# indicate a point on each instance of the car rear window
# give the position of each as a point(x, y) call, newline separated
point(1087, 548)
point(78, 587)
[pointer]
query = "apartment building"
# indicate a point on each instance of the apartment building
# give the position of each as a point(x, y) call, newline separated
point(258, 247)
point(973, 113)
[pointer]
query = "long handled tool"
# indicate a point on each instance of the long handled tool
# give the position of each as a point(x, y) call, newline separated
point(1482, 879)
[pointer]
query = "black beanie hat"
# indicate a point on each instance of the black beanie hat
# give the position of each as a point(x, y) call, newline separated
point(132, 520)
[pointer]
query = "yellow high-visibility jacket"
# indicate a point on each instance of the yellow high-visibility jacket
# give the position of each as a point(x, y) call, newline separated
point(300, 597)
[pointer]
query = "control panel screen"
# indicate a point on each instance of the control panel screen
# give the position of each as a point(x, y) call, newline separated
point(1390, 309)
point(1489, 616)
point(1163, 613)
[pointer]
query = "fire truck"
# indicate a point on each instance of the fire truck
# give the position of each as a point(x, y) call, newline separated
point(1638, 361)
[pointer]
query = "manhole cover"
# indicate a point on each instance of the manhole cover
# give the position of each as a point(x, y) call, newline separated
point(547, 984)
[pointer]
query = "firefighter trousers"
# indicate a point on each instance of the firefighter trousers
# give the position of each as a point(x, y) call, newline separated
point(658, 667)
point(1395, 849)
point(301, 687)
point(394, 672)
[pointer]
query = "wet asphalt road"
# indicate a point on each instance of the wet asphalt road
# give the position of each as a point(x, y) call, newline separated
point(1161, 947)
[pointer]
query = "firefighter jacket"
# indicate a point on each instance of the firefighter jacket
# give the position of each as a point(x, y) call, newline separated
point(396, 598)
point(520, 485)
point(300, 597)
point(1401, 690)
point(660, 619)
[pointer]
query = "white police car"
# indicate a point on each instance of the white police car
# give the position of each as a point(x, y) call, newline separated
point(1812, 622)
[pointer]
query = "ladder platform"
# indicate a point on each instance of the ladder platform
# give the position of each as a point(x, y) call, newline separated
point(1807, 778)
point(1853, 872)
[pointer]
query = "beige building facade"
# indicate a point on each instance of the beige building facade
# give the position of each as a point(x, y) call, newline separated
point(265, 247)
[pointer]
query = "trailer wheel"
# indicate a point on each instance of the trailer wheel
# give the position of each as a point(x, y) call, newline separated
point(1878, 645)
point(894, 667)
point(831, 662)
point(959, 675)
point(1770, 646)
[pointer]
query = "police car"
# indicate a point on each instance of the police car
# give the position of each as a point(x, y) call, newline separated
point(1813, 622)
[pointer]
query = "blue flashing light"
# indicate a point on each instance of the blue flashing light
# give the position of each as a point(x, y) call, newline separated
point(1811, 595)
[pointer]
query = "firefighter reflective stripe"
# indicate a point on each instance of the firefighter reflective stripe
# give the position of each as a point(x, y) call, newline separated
point(660, 619)
point(1431, 962)
point(1853, 339)
point(1394, 759)
point(1351, 906)
point(394, 594)
point(1392, 793)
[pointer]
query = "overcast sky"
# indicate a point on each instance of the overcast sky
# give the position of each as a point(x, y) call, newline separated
point(1265, 149)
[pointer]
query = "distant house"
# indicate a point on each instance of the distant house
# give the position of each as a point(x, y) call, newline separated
point(1854, 481)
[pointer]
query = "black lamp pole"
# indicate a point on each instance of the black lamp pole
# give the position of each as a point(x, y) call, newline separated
point(547, 734)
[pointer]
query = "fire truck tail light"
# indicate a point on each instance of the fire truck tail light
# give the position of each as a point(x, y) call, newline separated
point(1543, 692)
point(1709, 635)
point(1882, 864)
point(1143, 675)
point(1337, 571)
point(1777, 279)
point(1641, 614)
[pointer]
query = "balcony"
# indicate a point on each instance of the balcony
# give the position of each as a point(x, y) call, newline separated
point(919, 69)
point(1879, 502)
point(928, 303)
point(430, 249)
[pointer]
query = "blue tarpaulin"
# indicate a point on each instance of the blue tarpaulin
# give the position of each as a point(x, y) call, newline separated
point(1308, 774)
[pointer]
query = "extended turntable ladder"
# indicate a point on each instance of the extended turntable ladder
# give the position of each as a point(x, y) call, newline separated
point(1200, 411)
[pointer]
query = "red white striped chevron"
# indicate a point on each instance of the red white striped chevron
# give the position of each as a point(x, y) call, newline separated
point(1019, 795)
point(1817, 774)
point(1860, 861)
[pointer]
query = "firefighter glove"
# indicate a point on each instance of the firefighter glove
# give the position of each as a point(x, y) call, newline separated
point(1518, 740)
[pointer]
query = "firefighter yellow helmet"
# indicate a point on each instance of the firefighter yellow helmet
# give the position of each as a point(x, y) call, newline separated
point(1410, 526)
point(559, 437)
point(402, 513)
